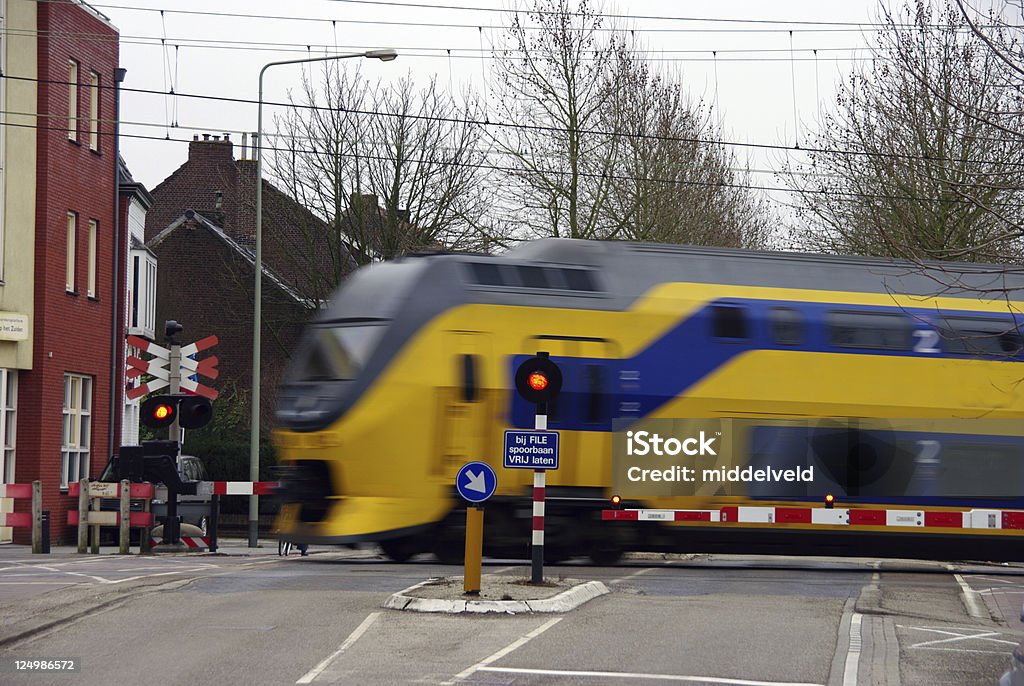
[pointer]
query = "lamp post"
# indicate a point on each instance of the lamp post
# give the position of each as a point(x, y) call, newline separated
point(384, 55)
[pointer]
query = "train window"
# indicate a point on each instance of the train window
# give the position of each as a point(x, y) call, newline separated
point(533, 277)
point(787, 325)
point(594, 398)
point(879, 330)
point(487, 274)
point(578, 280)
point(469, 380)
point(980, 336)
point(729, 321)
point(334, 353)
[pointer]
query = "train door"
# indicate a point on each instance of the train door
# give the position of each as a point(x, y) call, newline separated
point(462, 402)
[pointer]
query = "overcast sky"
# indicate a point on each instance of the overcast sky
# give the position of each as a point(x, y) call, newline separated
point(764, 74)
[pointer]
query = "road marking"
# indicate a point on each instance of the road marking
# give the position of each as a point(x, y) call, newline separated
point(352, 638)
point(635, 574)
point(954, 636)
point(642, 675)
point(853, 652)
point(518, 643)
point(970, 596)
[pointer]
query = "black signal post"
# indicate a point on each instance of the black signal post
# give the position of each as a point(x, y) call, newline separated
point(538, 381)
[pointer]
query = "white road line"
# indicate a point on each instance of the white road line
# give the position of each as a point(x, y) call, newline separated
point(635, 574)
point(970, 596)
point(352, 638)
point(518, 643)
point(853, 653)
point(642, 675)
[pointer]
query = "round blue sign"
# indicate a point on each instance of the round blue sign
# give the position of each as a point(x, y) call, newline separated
point(476, 481)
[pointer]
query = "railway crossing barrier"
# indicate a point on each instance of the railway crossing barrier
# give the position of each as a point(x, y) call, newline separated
point(970, 519)
point(34, 519)
point(89, 515)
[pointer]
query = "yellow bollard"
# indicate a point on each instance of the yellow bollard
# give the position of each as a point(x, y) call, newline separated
point(474, 549)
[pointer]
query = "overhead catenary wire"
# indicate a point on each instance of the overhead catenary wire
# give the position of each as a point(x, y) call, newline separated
point(838, 194)
point(538, 127)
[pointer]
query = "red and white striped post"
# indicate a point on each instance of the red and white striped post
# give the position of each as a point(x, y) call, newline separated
point(540, 423)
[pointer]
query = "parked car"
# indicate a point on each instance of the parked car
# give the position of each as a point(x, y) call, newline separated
point(193, 509)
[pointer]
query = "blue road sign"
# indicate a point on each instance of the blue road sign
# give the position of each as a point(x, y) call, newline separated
point(476, 481)
point(531, 450)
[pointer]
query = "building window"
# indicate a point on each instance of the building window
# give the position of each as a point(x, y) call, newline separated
point(142, 300)
point(8, 405)
point(72, 100)
point(77, 428)
point(69, 270)
point(94, 111)
point(93, 228)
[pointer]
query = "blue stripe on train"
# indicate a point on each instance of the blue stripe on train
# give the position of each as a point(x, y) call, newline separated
point(635, 387)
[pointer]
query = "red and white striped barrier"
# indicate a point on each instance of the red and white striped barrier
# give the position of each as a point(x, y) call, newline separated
point(15, 518)
point(104, 489)
point(741, 514)
point(190, 542)
point(236, 487)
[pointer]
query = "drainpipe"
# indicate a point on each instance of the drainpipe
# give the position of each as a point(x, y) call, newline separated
point(116, 334)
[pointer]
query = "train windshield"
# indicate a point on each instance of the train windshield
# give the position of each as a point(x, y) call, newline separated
point(335, 352)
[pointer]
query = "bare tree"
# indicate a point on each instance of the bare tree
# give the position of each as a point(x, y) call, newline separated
point(908, 164)
point(552, 74)
point(603, 146)
point(384, 169)
point(673, 181)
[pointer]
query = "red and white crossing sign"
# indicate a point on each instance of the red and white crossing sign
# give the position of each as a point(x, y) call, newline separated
point(159, 367)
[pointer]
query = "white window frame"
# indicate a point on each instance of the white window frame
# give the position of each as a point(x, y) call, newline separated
point(77, 429)
point(91, 282)
point(69, 268)
point(142, 298)
point(72, 100)
point(8, 423)
point(94, 111)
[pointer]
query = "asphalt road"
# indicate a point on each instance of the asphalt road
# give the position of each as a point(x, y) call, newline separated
point(697, 620)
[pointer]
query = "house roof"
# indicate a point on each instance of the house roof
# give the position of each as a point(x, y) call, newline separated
point(197, 219)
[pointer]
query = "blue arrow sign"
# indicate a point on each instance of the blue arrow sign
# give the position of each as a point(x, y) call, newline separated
point(476, 481)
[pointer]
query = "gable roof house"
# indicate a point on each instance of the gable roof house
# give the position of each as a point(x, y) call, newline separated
point(202, 229)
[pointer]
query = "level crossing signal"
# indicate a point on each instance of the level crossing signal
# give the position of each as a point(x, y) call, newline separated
point(191, 411)
point(538, 379)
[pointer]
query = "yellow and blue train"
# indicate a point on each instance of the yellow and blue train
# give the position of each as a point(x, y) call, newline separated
point(408, 374)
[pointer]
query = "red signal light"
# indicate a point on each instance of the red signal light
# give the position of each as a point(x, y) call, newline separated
point(538, 381)
point(162, 412)
point(616, 499)
point(829, 501)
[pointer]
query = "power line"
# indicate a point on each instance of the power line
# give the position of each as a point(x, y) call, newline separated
point(839, 195)
point(530, 127)
point(814, 26)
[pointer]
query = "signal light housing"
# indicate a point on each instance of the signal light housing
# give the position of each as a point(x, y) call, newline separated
point(159, 411)
point(191, 411)
point(538, 379)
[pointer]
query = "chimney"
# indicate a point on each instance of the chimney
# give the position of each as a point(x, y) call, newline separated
point(245, 144)
point(210, 149)
point(219, 201)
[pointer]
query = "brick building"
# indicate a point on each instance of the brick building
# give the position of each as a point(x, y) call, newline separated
point(201, 227)
point(62, 290)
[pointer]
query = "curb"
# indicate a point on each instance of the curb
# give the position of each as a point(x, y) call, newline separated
point(563, 602)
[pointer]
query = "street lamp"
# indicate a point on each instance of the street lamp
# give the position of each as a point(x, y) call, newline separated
point(384, 55)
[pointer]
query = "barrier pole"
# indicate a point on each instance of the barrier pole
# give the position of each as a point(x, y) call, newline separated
point(213, 522)
point(83, 515)
point(474, 550)
point(126, 513)
point(37, 517)
point(94, 530)
point(145, 544)
point(540, 423)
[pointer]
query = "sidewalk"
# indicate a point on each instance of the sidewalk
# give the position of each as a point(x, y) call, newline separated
point(225, 546)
